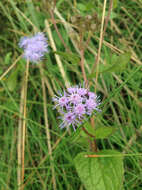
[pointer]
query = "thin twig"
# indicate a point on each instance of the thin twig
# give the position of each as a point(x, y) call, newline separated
point(47, 126)
point(112, 155)
point(83, 128)
point(56, 28)
point(11, 67)
point(87, 41)
point(58, 140)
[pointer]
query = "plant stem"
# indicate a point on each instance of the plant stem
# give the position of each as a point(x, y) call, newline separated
point(100, 45)
point(59, 63)
point(56, 28)
point(87, 132)
point(24, 115)
point(47, 126)
point(19, 141)
point(102, 33)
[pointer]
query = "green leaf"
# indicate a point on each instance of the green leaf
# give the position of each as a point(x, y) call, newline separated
point(115, 3)
point(73, 58)
point(81, 7)
point(100, 132)
point(104, 132)
point(7, 58)
point(100, 173)
point(82, 140)
point(12, 79)
point(90, 5)
point(119, 64)
point(89, 128)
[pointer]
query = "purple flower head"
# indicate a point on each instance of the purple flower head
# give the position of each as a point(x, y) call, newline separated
point(75, 104)
point(34, 47)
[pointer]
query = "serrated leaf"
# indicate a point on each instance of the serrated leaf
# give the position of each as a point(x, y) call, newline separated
point(100, 173)
point(124, 60)
point(103, 132)
point(100, 132)
point(119, 65)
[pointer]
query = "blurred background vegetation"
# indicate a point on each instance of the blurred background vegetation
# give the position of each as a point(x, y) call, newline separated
point(64, 22)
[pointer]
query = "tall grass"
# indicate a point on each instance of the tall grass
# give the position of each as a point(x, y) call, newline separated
point(121, 92)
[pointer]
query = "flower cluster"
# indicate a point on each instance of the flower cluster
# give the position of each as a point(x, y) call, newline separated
point(75, 104)
point(34, 47)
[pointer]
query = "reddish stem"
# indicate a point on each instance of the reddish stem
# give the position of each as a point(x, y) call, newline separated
point(56, 28)
point(87, 132)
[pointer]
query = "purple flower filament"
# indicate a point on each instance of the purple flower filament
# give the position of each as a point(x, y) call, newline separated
point(75, 105)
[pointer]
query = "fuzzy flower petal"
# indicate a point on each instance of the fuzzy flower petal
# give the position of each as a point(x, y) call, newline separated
point(34, 47)
point(69, 119)
point(80, 110)
point(75, 99)
point(91, 105)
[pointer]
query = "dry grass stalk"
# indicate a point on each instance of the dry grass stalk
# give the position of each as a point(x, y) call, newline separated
point(57, 57)
point(47, 127)
point(22, 131)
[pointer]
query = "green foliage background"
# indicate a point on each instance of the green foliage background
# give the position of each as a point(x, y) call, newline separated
point(120, 90)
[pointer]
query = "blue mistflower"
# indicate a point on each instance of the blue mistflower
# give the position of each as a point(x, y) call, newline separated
point(75, 104)
point(34, 47)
